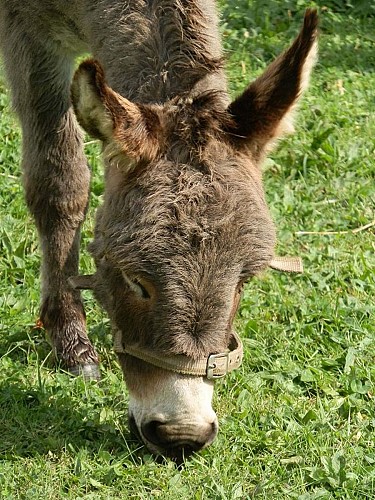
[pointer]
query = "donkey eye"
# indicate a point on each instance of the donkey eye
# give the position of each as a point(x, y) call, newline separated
point(142, 289)
point(136, 286)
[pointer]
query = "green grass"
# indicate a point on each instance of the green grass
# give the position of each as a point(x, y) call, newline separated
point(298, 418)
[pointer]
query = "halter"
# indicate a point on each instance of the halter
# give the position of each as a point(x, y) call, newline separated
point(212, 367)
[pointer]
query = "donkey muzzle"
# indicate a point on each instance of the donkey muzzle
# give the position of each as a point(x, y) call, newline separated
point(178, 440)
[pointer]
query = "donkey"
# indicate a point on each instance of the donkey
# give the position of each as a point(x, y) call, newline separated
point(184, 222)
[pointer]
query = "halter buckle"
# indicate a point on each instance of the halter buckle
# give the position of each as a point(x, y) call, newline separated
point(217, 361)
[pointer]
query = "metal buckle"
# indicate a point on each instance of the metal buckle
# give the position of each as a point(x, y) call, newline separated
point(211, 365)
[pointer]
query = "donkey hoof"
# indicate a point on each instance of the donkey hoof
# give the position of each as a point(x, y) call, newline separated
point(89, 371)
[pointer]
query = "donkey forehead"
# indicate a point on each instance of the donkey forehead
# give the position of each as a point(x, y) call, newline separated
point(189, 212)
point(205, 191)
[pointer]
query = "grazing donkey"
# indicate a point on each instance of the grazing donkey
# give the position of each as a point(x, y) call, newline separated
point(184, 222)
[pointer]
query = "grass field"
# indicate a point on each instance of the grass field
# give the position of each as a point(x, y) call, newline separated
point(297, 420)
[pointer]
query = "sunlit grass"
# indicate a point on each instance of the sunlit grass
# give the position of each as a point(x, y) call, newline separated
point(298, 418)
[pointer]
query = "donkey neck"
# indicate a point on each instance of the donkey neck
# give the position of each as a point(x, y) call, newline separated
point(158, 49)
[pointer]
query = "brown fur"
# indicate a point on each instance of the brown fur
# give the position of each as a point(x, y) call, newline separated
point(184, 220)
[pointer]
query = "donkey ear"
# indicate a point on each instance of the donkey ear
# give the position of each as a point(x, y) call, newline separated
point(264, 111)
point(108, 116)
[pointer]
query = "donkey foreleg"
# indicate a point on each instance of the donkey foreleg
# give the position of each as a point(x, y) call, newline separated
point(56, 179)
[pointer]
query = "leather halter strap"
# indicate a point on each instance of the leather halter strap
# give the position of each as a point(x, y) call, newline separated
point(212, 367)
point(287, 264)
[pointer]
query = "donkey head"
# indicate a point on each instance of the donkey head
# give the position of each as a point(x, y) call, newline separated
point(183, 225)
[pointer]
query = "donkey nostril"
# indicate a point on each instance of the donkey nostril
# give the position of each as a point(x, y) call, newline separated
point(150, 431)
point(159, 434)
point(212, 432)
point(133, 428)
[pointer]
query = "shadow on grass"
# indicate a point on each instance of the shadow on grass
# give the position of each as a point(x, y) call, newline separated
point(54, 418)
point(21, 343)
point(44, 411)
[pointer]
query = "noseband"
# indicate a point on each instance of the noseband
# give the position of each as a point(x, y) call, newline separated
point(213, 367)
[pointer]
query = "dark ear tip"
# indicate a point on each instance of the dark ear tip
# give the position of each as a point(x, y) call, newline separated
point(93, 70)
point(311, 20)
